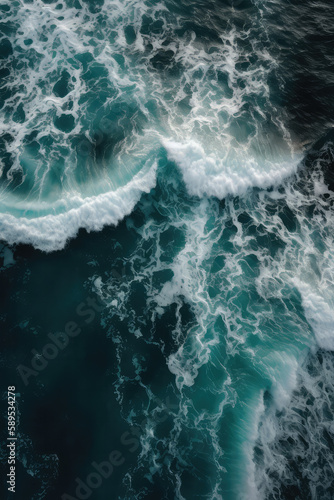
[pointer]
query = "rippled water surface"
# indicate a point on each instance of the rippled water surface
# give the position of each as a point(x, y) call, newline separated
point(166, 184)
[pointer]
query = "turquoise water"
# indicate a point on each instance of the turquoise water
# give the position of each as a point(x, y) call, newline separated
point(172, 162)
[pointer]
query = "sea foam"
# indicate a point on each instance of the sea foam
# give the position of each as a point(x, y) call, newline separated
point(214, 175)
point(51, 232)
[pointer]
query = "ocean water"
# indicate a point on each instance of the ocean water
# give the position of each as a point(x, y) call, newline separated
point(166, 225)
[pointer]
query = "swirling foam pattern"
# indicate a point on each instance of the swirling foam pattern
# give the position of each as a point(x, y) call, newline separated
point(194, 122)
point(93, 91)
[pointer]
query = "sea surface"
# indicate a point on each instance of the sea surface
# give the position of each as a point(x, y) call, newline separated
point(167, 253)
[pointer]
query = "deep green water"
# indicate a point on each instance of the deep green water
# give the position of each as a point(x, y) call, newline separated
point(167, 201)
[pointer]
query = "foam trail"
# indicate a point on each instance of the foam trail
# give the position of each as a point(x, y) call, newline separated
point(207, 174)
point(51, 232)
point(294, 446)
point(319, 312)
point(222, 278)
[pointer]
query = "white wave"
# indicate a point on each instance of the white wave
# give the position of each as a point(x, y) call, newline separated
point(295, 441)
point(319, 313)
point(203, 106)
point(51, 232)
point(211, 175)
